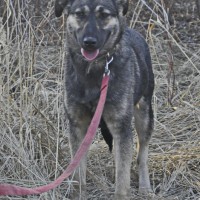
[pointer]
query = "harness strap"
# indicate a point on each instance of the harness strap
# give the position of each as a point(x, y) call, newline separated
point(8, 189)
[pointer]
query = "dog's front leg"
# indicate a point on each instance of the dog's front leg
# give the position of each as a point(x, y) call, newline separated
point(123, 142)
point(78, 124)
point(123, 157)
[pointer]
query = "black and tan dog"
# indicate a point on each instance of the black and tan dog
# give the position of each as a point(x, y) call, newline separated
point(94, 29)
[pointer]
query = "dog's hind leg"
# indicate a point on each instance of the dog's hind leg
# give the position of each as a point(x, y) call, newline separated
point(144, 125)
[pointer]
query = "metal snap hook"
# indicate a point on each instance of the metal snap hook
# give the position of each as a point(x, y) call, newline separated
point(107, 71)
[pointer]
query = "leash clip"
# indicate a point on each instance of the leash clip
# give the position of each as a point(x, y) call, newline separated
point(108, 61)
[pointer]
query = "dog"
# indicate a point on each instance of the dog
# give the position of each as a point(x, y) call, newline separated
point(96, 30)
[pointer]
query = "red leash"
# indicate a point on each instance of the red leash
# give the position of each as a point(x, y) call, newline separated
point(8, 189)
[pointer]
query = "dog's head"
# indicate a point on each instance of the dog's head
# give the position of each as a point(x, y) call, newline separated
point(93, 26)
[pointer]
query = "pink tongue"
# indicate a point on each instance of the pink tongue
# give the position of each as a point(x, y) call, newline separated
point(90, 55)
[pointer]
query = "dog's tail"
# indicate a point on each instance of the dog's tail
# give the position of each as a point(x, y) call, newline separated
point(106, 134)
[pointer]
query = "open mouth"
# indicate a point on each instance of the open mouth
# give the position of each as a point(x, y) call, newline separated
point(90, 55)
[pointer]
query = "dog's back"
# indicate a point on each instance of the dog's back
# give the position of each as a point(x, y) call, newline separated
point(145, 82)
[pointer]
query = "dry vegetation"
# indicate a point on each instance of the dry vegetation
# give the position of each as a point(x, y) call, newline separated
point(34, 145)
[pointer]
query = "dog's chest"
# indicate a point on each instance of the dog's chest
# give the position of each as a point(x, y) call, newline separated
point(83, 88)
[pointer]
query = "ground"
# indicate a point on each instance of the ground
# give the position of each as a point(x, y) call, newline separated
point(34, 142)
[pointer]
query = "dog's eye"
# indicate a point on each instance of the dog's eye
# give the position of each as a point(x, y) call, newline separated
point(80, 14)
point(104, 15)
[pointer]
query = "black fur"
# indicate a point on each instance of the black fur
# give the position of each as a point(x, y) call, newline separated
point(106, 134)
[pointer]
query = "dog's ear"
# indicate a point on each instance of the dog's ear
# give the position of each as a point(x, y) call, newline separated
point(60, 5)
point(123, 6)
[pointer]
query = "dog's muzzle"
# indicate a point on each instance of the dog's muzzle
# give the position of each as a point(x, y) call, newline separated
point(89, 49)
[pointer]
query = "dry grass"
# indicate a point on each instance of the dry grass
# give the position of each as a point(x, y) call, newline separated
point(34, 148)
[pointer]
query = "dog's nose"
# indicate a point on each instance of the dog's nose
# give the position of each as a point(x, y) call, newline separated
point(90, 41)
